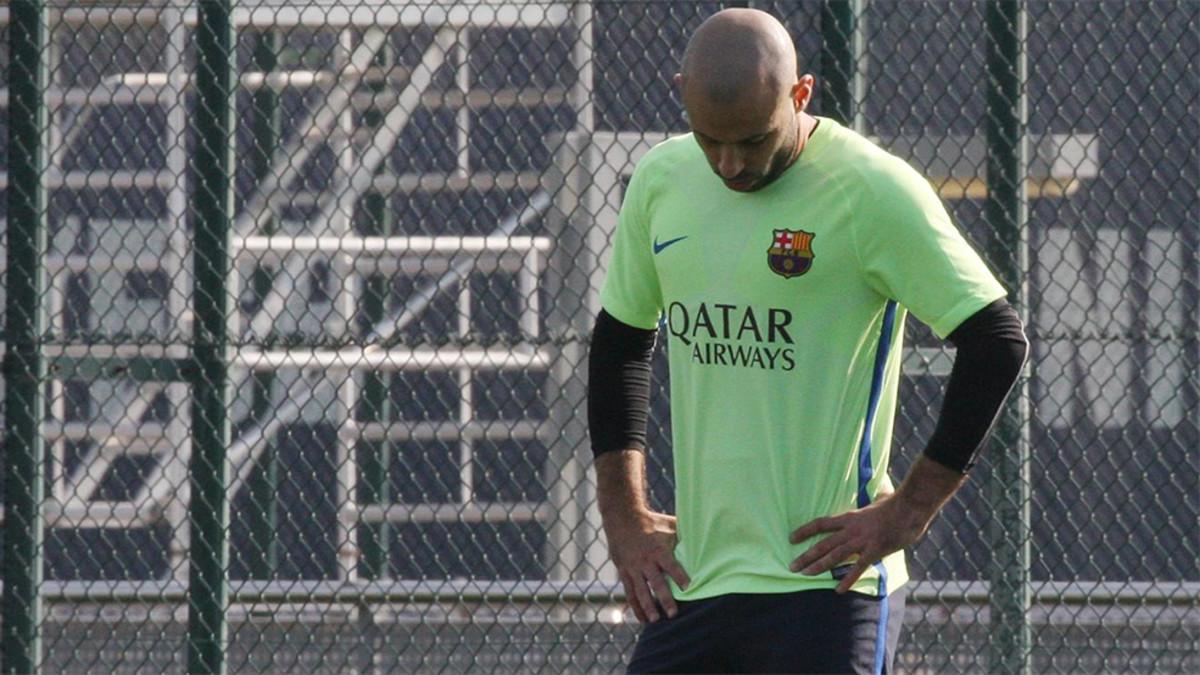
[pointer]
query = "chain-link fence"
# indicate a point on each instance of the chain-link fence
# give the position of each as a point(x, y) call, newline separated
point(351, 253)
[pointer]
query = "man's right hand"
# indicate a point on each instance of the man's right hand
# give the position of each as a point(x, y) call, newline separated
point(641, 541)
point(643, 549)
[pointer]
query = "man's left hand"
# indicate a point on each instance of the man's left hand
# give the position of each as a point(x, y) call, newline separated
point(863, 536)
point(892, 522)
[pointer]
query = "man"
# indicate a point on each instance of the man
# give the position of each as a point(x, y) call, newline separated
point(780, 252)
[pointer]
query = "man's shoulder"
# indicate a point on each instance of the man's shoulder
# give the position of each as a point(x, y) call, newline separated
point(670, 155)
point(864, 164)
point(666, 166)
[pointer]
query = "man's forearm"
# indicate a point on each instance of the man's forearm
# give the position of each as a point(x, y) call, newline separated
point(641, 542)
point(621, 487)
point(926, 488)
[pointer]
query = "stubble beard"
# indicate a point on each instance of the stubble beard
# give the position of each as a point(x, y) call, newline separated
point(783, 159)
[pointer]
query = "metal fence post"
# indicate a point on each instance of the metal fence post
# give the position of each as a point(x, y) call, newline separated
point(838, 59)
point(375, 407)
point(208, 593)
point(264, 482)
point(1006, 211)
point(24, 367)
point(377, 219)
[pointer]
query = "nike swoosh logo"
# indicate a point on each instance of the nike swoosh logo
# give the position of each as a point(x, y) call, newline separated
point(658, 248)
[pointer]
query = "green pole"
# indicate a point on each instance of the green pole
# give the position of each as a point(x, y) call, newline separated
point(1006, 211)
point(838, 59)
point(264, 510)
point(207, 591)
point(375, 459)
point(24, 368)
point(263, 517)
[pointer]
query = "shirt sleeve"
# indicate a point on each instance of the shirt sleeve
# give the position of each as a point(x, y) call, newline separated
point(991, 350)
point(912, 252)
point(631, 291)
point(618, 400)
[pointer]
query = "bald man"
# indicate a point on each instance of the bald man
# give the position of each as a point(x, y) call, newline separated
point(780, 254)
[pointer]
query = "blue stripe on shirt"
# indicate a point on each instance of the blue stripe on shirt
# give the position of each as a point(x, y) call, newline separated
point(866, 469)
point(882, 632)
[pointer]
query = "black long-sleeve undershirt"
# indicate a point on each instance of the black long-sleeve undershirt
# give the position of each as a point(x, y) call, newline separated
point(618, 384)
point(991, 348)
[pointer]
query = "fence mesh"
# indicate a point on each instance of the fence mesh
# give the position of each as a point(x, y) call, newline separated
point(425, 195)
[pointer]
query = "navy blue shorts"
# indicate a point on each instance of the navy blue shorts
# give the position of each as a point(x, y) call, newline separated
point(805, 632)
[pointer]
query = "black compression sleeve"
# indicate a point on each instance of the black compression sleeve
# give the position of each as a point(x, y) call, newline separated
point(618, 385)
point(991, 350)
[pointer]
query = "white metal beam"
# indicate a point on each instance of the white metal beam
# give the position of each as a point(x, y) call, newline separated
point(347, 195)
point(290, 157)
point(380, 246)
point(332, 14)
point(393, 359)
point(455, 512)
point(399, 432)
point(1122, 598)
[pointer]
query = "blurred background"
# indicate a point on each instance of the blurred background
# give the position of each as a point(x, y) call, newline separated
point(424, 195)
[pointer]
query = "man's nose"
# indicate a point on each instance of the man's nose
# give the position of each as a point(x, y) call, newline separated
point(729, 162)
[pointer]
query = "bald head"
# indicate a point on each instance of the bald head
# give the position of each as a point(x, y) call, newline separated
point(745, 98)
point(737, 52)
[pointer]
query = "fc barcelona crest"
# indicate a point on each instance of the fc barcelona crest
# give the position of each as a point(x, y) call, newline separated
point(791, 253)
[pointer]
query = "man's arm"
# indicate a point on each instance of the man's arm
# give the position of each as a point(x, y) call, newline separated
point(991, 351)
point(641, 541)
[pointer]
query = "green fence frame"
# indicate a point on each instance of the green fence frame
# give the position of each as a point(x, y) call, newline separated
point(24, 367)
point(208, 595)
point(1006, 210)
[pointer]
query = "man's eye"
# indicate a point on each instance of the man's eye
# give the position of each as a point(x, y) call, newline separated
point(756, 140)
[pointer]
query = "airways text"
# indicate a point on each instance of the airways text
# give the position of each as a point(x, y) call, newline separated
point(731, 335)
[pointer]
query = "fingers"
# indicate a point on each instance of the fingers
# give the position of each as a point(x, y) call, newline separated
point(815, 527)
point(824, 560)
point(658, 583)
point(857, 571)
point(676, 571)
point(662, 592)
point(863, 536)
point(641, 593)
point(647, 594)
point(647, 590)
point(631, 598)
point(818, 551)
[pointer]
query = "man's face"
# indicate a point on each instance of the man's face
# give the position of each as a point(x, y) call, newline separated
point(749, 141)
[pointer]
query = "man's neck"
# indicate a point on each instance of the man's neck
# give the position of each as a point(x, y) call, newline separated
point(808, 124)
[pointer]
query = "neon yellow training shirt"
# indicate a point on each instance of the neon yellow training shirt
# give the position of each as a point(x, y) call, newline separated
point(784, 312)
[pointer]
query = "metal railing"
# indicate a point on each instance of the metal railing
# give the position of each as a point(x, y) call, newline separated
point(297, 299)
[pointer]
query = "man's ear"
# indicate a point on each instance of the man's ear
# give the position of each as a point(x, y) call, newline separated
point(802, 92)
